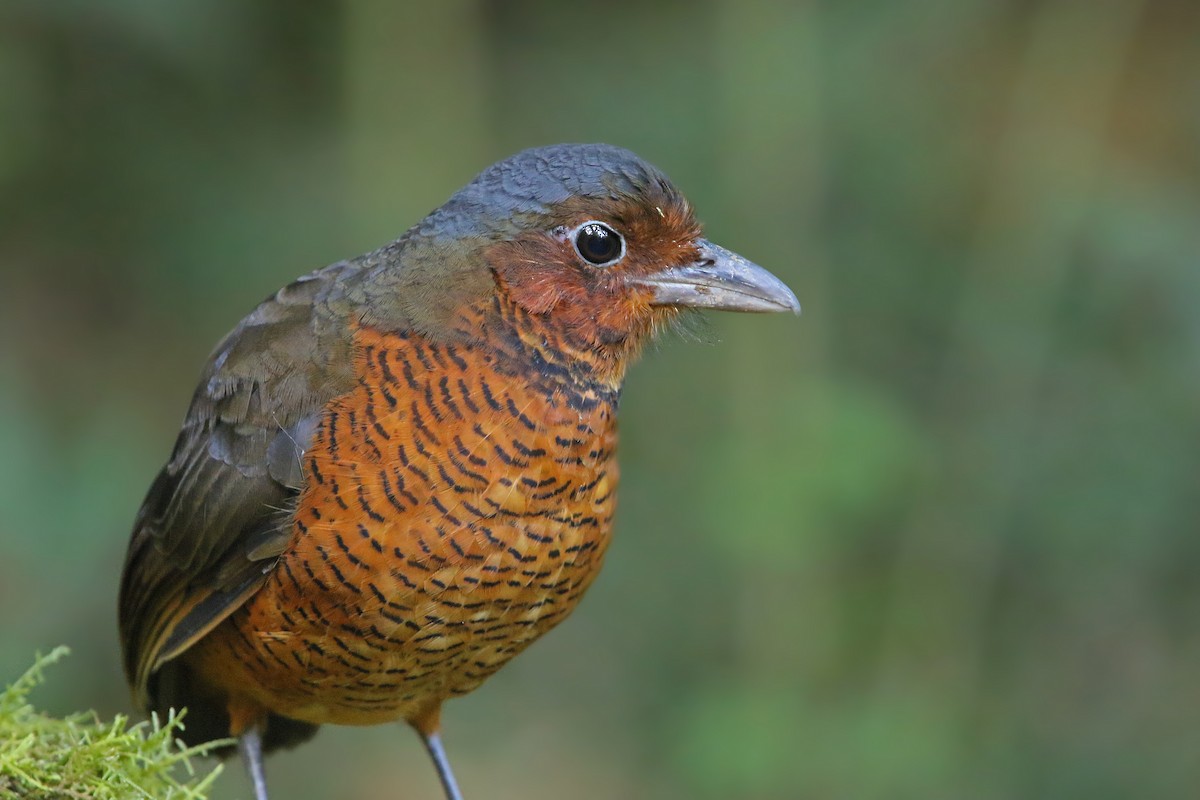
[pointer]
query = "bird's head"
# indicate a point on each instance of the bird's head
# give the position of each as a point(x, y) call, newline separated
point(588, 242)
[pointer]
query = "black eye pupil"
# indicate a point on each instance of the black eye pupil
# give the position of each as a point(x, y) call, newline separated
point(598, 243)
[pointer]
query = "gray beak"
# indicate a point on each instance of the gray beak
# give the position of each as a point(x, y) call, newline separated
point(720, 279)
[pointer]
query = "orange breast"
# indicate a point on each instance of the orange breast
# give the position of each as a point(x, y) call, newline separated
point(452, 514)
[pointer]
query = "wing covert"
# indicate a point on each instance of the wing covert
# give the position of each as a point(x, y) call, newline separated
point(219, 512)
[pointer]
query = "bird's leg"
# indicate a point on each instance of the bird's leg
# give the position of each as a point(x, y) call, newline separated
point(250, 747)
point(428, 725)
point(433, 743)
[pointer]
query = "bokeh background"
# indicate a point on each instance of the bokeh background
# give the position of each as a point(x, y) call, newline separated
point(937, 538)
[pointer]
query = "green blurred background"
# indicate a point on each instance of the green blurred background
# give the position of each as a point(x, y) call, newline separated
point(937, 538)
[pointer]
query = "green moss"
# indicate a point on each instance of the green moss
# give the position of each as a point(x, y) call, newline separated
point(82, 757)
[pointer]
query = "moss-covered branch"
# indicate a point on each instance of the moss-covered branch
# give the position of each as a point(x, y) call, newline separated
point(82, 757)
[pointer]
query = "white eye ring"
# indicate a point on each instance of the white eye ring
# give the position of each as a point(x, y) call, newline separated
point(597, 243)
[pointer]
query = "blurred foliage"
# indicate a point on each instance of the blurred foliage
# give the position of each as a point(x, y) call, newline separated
point(81, 757)
point(935, 539)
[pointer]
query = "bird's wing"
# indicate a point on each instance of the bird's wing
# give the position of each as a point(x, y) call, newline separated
point(219, 513)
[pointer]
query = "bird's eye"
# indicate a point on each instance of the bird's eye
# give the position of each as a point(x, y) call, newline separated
point(599, 244)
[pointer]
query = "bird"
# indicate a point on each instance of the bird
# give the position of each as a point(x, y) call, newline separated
point(399, 471)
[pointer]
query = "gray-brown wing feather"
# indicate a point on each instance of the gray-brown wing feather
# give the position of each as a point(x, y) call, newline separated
point(220, 511)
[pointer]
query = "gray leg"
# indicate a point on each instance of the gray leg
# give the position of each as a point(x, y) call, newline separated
point(250, 747)
point(433, 743)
